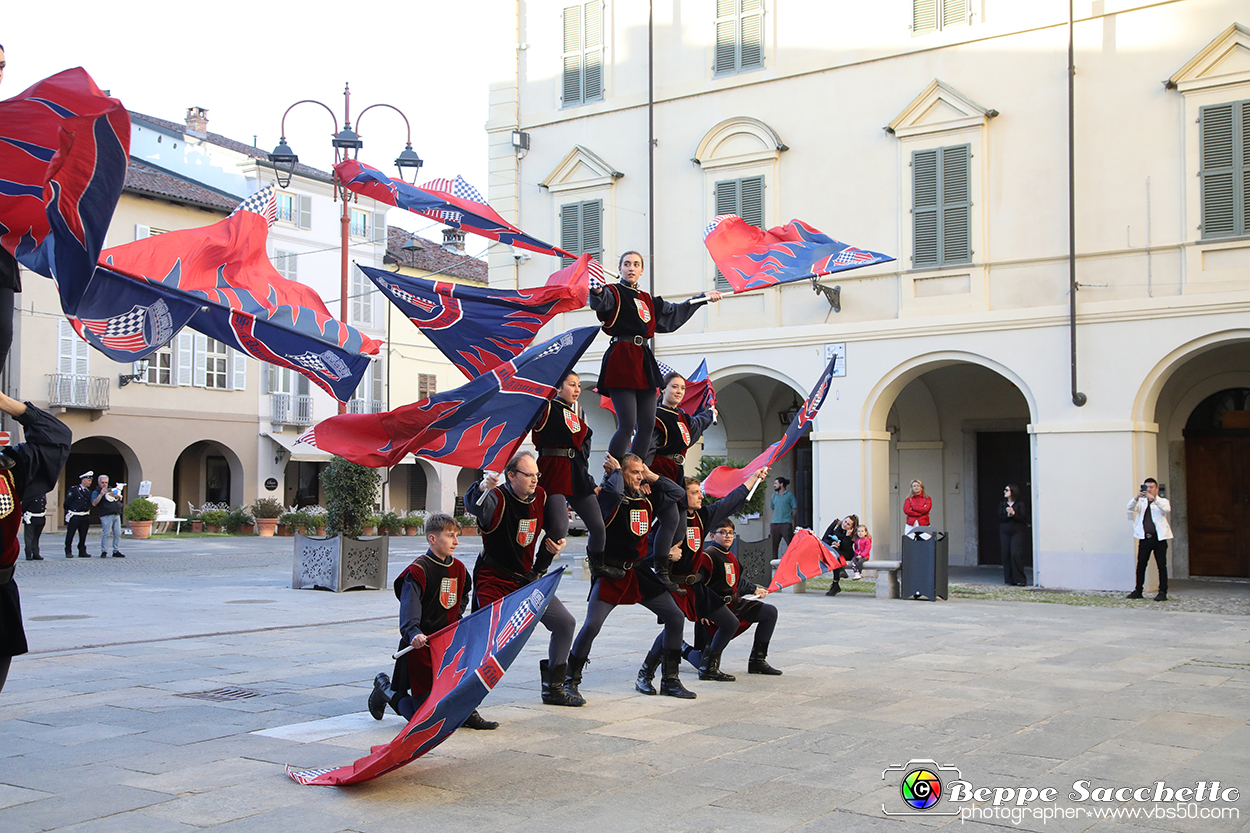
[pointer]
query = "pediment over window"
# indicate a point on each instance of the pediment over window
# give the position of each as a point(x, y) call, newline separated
point(738, 141)
point(940, 107)
point(581, 168)
point(1225, 60)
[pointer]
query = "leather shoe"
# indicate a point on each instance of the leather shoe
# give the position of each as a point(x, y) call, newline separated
point(104, 555)
point(1162, 597)
point(118, 555)
point(84, 554)
point(377, 697)
point(1136, 594)
point(833, 590)
point(476, 721)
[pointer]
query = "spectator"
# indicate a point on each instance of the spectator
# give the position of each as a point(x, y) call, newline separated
point(916, 507)
point(1150, 514)
point(840, 537)
point(1013, 535)
point(863, 551)
point(108, 501)
point(783, 506)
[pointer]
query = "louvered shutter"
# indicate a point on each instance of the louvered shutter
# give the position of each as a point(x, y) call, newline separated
point(592, 229)
point(238, 375)
point(727, 202)
point(923, 16)
point(572, 90)
point(592, 63)
point(751, 200)
point(200, 357)
point(271, 378)
point(726, 37)
point(142, 232)
point(301, 384)
point(924, 173)
point(377, 392)
point(956, 205)
point(186, 358)
point(378, 226)
point(570, 225)
point(1219, 203)
point(954, 13)
point(305, 212)
point(752, 46)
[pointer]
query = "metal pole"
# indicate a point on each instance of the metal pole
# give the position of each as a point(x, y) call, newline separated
point(1078, 398)
point(651, 145)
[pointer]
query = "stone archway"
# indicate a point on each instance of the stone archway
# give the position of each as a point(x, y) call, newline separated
point(208, 472)
point(102, 455)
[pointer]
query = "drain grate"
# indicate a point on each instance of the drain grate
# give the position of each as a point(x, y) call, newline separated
point(250, 601)
point(63, 617)
point(223, 695)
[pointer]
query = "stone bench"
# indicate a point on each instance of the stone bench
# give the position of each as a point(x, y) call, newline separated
point(887, 578)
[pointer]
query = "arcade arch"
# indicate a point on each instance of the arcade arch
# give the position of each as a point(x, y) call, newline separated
point(101, 455)
point(208, 471)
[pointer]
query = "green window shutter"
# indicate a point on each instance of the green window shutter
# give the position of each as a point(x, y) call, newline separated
point(752, 54)
point(592, 229)
point(727, 202)
point(954, 13)
point(956, 205)
point(572, 90)
point(592, 78)
point(570, 229)
point(1221, 208)
point(751, 200)
point(923, 16)
point(924, 212)
point(1244, 165)
point(726, 60)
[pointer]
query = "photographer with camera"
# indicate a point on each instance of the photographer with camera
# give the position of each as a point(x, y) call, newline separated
point(108, 501)
point(1150, 513)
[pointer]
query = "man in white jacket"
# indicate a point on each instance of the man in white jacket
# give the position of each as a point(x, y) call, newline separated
point(1150, 515)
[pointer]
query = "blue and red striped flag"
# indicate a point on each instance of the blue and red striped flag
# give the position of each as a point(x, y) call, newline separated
point(751, 258)
point(469, 659)
point(453, 202)
point(478, 328)
point(806, 557)
point(479, 425)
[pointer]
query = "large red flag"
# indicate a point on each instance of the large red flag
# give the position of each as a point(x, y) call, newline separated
point(806, 557)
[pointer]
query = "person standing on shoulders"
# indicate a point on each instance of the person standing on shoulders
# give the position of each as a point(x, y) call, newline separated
point(1150, 514)
point(784, 506)
point(78, 515)
point(108, 502)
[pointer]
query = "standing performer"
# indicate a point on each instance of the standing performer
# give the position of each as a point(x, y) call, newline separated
point(720, 570)
point(674, 434)
point(698, 520)
point(629, 511)
point(433, 591)
point(78, 515)
point(509, 517)
point(26, 470)
point(562, 437)
point(629, 374)
point(34, 516)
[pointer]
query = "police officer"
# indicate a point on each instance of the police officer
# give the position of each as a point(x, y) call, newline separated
point(78, 515)
point(34, 516)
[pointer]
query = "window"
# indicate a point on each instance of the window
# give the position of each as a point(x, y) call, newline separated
point(161, 367)
point(1225, 139)
point(941, 206)
point(287, 264)
point(216, 365)
point(360, 224)
point(744, 197)
point(370, 396)
point(417, 487)
point(360, 306)
point(935, 15)
point(739, 35)
point(583, 53)
point(295, 209)
point(581, 229)
point(143, 232)
point(427, 385)
point(72, 384)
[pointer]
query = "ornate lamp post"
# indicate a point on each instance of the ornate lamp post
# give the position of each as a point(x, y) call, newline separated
point(344, 141)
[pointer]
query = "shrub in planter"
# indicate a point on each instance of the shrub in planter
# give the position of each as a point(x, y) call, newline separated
point(468, 524)
point(389, 523)
point(140, 513)
point(413, 524)
point(267, 508)
point(214, 519)
point(350, 493)
point(237, 519)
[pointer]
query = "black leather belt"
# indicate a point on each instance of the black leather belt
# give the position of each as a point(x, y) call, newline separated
point(639, 340)
point(616, 562)
point(676, 458)
point(557, 452)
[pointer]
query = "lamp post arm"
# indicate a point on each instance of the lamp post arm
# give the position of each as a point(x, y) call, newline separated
point(333, 117)
point(407, 124)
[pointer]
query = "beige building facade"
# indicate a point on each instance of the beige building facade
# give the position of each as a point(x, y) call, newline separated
point(936, 132)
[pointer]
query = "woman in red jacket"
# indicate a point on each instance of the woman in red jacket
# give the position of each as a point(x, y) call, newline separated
point(916, 507)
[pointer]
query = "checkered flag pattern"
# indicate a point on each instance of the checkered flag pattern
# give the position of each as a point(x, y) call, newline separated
point(852, 255)
point(122, 332)
point(264, 202)
point(457, 187)
point(597, 279)
point(716, 221)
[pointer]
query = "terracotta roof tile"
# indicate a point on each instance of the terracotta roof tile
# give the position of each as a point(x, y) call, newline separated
point(149, 180)
point(229, 144)
point(432, 257)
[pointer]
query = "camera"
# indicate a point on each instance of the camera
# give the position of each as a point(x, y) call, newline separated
point(1145, 487)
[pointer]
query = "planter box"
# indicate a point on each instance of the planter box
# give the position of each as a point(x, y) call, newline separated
point(197, 526)
point(211, 528)
point(265, 527)
point(337, 563)
point(141, 529)
point(412, 530)
point(247, 529)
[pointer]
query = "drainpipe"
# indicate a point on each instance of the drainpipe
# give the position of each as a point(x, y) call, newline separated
point(1078, 398)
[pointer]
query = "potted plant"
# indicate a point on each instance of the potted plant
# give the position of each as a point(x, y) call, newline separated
point(413, 523)
point(140, 513)
point(317, 519)
point(240, 521)
point(468, 524)
point(214, 519)
point(389, 523)
point(193, 515)
point(266, 511)
point(371, 525)
point(288, 521)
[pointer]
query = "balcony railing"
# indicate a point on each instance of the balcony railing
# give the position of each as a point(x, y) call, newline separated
point(288, 409)
point(72, 390)
point(365, 406)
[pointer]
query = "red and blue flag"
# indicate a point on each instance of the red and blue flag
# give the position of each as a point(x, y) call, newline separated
point(751, 258)
point(478, 328)
point(452, 202)
point(805, 557)
point(479, 425)
point(722, 480)
point(469, 659)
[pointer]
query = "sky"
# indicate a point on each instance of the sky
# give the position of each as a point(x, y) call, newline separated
point(429, 59)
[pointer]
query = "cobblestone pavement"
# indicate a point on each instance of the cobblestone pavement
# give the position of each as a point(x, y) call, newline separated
point(98, 733)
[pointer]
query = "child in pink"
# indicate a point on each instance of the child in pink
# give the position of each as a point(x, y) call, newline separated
point(863, 550)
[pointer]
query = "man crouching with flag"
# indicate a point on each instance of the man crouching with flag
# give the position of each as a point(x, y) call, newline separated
point(510, 517)
point(433, 592)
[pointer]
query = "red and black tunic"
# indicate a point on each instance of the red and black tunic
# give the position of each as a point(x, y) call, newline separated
point(440, 591)
point(631, 316)
point(722, 577)
point(627, 529)
point(562, 437)
point(510, 528)
point(679, 570)
point(674, 433)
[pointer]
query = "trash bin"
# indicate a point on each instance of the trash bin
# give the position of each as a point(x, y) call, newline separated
point(924, 564)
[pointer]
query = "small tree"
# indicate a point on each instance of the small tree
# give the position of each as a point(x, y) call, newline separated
point(141, 509)
point(350, 492)
point(754, 506)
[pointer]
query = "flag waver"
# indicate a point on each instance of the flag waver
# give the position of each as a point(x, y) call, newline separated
point(478, 328)
point(469, 659)
point(806, 557)
point(751, 258)
point(452, 202)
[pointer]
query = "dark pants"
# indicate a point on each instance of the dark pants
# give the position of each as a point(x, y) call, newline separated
point(635, 415)
point(31, 533)
point(662, 606)
point(1160, 549)
point(1012, 539)
point(556, 519)
point(780, 532)
point(77, 526)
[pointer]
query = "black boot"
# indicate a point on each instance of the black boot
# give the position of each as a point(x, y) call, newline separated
point(380, 696)
point(670, 684)
point(758, 663)
point(710, 669)
point(574, 678)
point(1136, 594)
point(646, 674)
point(598, 569)
point(661, 567)
point(554, 691)
point(476, 721)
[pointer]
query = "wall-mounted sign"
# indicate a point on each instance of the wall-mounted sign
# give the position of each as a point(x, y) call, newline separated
point(271, 483)
point(838, 350)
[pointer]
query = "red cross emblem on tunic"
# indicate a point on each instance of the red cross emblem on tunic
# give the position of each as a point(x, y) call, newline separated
point(731, 575)
point(447, 592)
point(526, 530)
point(639, 521)
point(570, 419)
point(644, 311)
point(685, 433)
point(694, 537)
